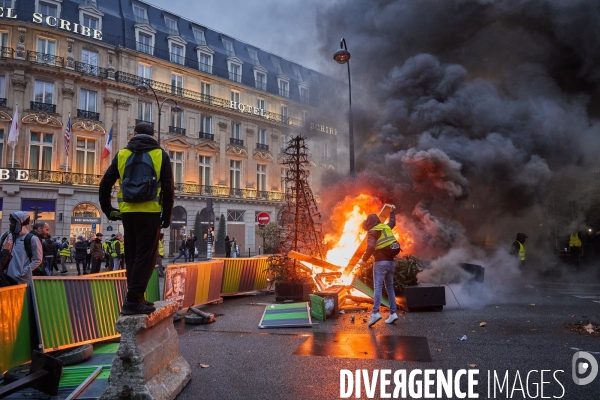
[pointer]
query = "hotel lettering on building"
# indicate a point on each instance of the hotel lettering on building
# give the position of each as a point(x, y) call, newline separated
point(241, 105)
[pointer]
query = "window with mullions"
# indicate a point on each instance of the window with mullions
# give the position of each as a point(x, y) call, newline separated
point(236, 130)
point(171, 25)
point(235, 215)
point(284, 88)
point(178, 119)
point(48, 9)
point(260, 103)
point(3, 39)
point(254, 57)
point(177, 84)
point(85, 156)
point(2, 87)
point(304, 94)
point(89, 57)
point(177, 54)
point(144, 44)
point(145, 111)
point(199, 36)
point(261, 177)
point(205, 63)
point(6, 3)
point(140, 14)
point(261, 81)
point(205, 88)
point(144, 71)
point(235, 96)
point(43, 92)
point(46, 46)
point(40, 151)
point(228, 48)
point(87, 100)
point(235, 174)
point(206, 124)
point(235, 72)
point(204, 169)
point(262, 136)
point(177, 165)
point(90, 22)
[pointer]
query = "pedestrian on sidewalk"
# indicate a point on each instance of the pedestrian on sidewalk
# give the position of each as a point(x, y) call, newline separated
point(227, 247)
point(97, 253)
point(210, 239)
point(65, 252)
point(182, 250)
point(81, 248)
point(49, 249)
point(26, 257)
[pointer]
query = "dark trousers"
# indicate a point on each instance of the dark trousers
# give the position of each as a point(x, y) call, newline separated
point(141, 239)
point(96, 264)
point(81, 261)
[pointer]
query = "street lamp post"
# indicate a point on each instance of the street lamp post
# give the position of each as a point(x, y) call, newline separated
point(342, 56)
point(142, 89)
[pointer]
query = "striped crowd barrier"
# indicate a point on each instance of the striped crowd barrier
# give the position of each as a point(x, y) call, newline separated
point(15, 345)
point(194, 283)
point(72, 311)
point(242, 275)
point(152, 291)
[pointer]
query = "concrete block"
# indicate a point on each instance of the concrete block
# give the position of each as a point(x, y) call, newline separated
point(148, 364)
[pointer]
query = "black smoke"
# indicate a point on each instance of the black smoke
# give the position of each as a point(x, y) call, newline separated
point(479, 119)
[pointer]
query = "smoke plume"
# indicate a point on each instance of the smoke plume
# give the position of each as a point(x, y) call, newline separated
point(477, 118)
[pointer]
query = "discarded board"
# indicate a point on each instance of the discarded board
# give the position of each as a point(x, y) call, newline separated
point(289, 315)
point(317, 307)
point(363, 287)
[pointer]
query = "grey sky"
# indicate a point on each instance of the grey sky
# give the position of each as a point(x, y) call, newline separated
point(287, 28)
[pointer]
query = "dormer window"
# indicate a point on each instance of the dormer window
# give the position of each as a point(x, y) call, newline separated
point(48, 8)
point(140, 14)
point(228, 48)
point(284, 87)
point(199, 36)
point(254, 56)
point(177, 49)
point(276, 65)
point(171, 25)
point(297, 73)
point(304, 94)
point(90, 16)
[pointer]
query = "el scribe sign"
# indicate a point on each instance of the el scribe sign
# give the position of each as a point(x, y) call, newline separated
point(49, 20)
point(263, 218)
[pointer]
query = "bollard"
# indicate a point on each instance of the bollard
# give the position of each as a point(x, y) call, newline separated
point(259, 250)
point(248, 252)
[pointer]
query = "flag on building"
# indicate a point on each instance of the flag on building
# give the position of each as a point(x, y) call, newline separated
point(68, 135)
point(13, 136)
point(108, 148)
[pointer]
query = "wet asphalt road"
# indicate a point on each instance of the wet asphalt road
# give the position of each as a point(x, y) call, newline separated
point(525, 332)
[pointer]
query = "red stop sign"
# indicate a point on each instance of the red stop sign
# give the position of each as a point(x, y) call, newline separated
point(263, 218)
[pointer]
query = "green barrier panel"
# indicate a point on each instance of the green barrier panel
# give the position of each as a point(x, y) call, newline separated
point(152, 290)
point(72, 311)
point(360, 285)
point(290, 315)
point(15, 347)
point(243, 275)
point(317, 307)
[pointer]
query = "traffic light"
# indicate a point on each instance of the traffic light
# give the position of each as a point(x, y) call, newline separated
point(36, 213)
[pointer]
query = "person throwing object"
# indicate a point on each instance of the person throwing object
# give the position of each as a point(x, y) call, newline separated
point(382, 244)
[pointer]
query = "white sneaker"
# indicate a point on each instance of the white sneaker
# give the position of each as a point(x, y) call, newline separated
point(392, 318)
point(374, 319)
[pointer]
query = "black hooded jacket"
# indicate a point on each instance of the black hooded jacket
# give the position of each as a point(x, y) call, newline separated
point(140, 143)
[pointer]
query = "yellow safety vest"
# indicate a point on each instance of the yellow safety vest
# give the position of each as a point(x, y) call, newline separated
point(147, 206)
point(385, 238)
point(113, 247)
point(574, 241)
point(122, 247)
point(161, 248)
point(66, 252)
point(522, 251)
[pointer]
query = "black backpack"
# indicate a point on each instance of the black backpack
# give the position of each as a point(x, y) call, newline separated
point(27, 243)
point(139, 183)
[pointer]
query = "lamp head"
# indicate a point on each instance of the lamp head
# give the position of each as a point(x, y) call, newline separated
point(141, 88)
point(176, 109)
point(341, 56)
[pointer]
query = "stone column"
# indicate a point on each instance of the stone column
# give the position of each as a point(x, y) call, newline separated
point(109, 104)
point(19, 84)
point(21, 44)
point(120, 131)
point(68, 91)
point(148, 364)
point(111, 68)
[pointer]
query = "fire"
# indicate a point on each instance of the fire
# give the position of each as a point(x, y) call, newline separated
point(349, 240)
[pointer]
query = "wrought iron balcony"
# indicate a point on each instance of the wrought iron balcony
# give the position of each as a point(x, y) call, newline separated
point(37, 106)
point(261, 85)
point(205, 68)
point(2, 102)
point(94, 116)
point(177, 59)
point(176, 130)
point(91, 70)
point(235, 77)
point(7, 52)
point(236, 142)
point(47, 59)
point(261, 146)
point(137, 121)
point(144, 48)
point(208, 136)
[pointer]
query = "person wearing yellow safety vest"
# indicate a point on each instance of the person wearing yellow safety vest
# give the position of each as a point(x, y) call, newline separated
point(64, 252)
point(143, 214)
point(116, 251)
point(575, 248)
point(517, 249)
point(161, 255)
point(382, 244)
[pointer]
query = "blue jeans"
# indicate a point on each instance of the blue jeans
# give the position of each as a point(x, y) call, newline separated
point(48, 263)
point(181, 253)
point(383, 273)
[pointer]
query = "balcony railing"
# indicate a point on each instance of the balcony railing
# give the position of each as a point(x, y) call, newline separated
point(141, 20)
point(261, 146)
point(144, 48)
point(208, 136)
point(176, 130)
point(7, 52)
point(205, 67)
point(37, 106)
point(91, 70)
point(235, 77)
point(177, 59)
point(236, 142)
point(223, 191)
point(261, 85)
point(2, 102)
point(135, 80)
point(137, 121)
point(94, 116)
point(43, 58)
point(284, 93)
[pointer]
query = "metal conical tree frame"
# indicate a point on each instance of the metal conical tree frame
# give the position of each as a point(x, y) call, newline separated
point(300, 217)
